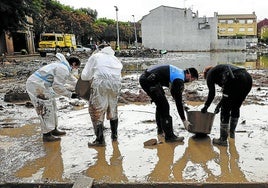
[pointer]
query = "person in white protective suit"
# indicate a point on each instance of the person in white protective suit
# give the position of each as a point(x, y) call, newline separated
point(47, 83)
point(103, 70)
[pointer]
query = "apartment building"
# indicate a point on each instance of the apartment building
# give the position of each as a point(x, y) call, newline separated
point(177, 29)
point(237, 25)
point(262, 29)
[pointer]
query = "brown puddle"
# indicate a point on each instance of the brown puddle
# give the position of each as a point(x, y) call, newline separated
point(48, 168)
point(26, 130)
point(127, 161)
point(108, 171)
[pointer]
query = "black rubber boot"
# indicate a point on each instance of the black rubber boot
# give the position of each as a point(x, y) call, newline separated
point(99, 141)
point(168, 129)
point(222, 141)
point(114, 125)
point(57, 132)
point(48, 137)
point(158, 123)
point(233, 124)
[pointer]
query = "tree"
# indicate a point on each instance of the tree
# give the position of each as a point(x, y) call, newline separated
point(92, 13)
point(55, 17)
point(51, 16)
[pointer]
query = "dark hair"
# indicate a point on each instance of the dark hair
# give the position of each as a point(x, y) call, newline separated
point(193, 72)
point(206, 71)
point(73, 59)
point(103, 45)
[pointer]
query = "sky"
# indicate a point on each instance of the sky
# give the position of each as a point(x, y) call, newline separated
point(134, 10)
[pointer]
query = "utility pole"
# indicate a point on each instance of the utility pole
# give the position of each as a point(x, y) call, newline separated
point(135, 30)
point(117, 29)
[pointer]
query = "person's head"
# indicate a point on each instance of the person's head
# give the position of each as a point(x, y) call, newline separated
point(206, 71)
point(191, 74)
point(74, 62)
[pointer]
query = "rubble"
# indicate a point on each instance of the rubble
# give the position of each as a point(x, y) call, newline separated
point(25, 158)
point(13, 78)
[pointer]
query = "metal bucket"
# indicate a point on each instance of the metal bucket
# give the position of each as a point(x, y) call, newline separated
point(201, 122)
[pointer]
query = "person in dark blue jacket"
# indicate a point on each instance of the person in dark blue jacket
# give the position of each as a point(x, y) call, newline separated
point(152, 81)
point(236, 83)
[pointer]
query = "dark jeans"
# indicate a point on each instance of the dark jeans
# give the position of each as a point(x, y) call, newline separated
point(235, 91)
point(157, 94)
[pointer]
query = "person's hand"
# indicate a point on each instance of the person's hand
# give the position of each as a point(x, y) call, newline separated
point(204, 109)
point(74, 96)
point(187, 124)
point(217, 110)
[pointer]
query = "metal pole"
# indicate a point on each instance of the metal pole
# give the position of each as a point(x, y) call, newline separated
point(117, 29)
point(135, 30)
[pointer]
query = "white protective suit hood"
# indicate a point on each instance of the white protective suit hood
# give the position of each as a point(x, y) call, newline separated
point(103, 63)
point(62, 59)
point(107, 50)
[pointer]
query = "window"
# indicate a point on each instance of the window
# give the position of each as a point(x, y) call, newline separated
point(230, 21)
point(48, 38)
point(250, 29)
point(60, 38)
point(222, 21)
point(230, 29)
point(222, 29)
point(242, 21)
point(249, 21)
point(242, 29)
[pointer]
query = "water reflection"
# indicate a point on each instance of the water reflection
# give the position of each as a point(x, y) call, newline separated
point(195, 165)
point(48, 168)
point(199, 60)
point(229, 163)
point(163, 169)
point(201, 163)
point(111, 171)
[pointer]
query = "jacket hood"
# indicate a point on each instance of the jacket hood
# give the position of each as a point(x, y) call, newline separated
point(108, 50)
point(63, 60)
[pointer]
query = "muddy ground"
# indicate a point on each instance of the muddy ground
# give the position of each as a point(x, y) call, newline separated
point(25, 158)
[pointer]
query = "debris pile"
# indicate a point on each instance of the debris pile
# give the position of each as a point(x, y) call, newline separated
point(146, 52)
point(16, 94)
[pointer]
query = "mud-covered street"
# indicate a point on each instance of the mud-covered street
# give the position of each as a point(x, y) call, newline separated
point(25, 158)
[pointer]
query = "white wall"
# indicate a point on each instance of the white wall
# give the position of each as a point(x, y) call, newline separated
point(176, 29)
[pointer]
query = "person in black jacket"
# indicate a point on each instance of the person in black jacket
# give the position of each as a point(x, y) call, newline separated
point(152, 81)
point(236, 83)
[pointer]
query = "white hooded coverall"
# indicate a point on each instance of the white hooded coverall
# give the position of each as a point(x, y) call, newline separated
point(103, 69)
point(44, 85)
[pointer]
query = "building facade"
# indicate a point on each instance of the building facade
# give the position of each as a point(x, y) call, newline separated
point(237, 25)
point(262, 29)
point(264, 32)
point(15, 42)
point(176, 29)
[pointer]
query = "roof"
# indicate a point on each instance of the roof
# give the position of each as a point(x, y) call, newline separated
point(231, 16)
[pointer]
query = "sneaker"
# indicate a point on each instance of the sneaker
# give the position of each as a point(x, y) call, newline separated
point(57, 132)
